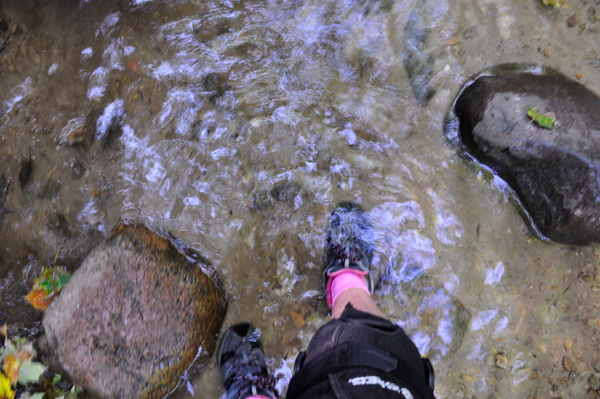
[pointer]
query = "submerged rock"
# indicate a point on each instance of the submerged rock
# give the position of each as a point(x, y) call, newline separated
point(418, 54)
point(133, 317)
point(554, 172)
point(435, 319)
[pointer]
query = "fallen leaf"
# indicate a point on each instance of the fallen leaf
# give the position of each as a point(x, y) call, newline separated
point(23, 355)
point(467, 377)
point(568, 364)
point(568, 344)
point(546, 120)
point(47, 285)
point(298, 319)
point(11, 368)
point(5, 388)
point(554, 3)
point(30, 372)
point(133, 66)
point(39, 299)
point(37, 395)
point(452, 41)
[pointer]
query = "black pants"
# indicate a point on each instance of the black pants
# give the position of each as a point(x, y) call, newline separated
point(361, 356)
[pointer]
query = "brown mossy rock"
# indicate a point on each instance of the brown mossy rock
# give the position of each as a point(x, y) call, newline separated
point(133, 317)
point(554, 172)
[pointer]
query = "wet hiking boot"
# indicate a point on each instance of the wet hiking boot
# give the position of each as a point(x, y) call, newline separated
point(349, 245)
point(242, 364)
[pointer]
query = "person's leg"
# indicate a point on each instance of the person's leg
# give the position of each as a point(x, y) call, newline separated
point(349, 248)
point(359, 353)
point(359, 299)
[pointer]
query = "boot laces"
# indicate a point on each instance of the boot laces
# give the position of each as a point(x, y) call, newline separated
point(246, 378)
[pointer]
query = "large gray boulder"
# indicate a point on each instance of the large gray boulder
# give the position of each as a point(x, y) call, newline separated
point(554, 172)
point(133, 317)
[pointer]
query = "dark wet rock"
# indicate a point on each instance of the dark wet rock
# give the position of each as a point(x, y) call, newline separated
point(4, 30)
point(554, 172)
point(77, 170)
point(133, 317)
point(49, 190)
point(261, 201)
point(215, 84)
point(25, 171)
point(108, 126)
point(592, 17)
point(285, 191)
point(58, 222)
point(470, 33)
point(573, 20)
point(375, 6)
point(245, 50)
point(419, 46)
point(4, 186)
point(3, 20)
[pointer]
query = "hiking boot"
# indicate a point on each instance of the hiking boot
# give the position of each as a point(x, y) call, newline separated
point(349, 245)
point(241, 362)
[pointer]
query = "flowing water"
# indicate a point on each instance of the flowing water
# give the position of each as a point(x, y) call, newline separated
point(236, 126)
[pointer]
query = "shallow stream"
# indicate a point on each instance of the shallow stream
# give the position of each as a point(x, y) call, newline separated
point(236, 126)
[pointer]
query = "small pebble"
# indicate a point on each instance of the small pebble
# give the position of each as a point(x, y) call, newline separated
point(568, 344)
point(568, 364)
point(573, 20)
point(594, 382)
point(501, 360)
point(533, 375)
point(592, 15)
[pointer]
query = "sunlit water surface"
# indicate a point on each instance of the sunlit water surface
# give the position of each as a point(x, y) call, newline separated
point(236, 127)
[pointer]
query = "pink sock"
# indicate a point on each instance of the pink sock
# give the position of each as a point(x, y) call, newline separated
point(343, 280)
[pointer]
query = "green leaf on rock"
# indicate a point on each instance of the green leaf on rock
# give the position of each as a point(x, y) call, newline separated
point(546, 120)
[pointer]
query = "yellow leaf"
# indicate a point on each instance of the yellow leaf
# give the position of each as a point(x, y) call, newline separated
point(298, 319)
point(6, 391)
point(11, 367)
point(39, 299)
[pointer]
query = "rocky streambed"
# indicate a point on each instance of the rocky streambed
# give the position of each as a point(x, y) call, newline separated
point(235, 127)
